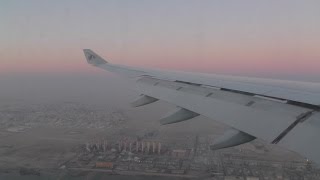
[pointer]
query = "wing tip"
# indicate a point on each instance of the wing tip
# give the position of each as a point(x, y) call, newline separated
point(93, 58)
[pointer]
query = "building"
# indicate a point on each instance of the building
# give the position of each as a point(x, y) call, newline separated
point(107, 165)
point(179, 153)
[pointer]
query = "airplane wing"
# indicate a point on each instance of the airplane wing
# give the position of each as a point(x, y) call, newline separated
point(285, 113)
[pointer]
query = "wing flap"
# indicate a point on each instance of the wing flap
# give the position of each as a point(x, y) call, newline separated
point(304, 138)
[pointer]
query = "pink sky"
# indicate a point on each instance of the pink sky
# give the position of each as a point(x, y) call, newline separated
point(231, 38)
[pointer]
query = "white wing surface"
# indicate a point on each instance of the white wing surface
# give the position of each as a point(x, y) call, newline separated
point(280, 112)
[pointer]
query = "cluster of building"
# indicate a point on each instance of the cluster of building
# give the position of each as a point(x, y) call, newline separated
point(144, 147)
point(132, 155)
point(157, 157)
point(68, 114)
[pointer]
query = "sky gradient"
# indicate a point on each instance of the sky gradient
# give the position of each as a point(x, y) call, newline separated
point(277, 39)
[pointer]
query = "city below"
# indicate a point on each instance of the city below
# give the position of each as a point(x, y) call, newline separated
point(73, 140)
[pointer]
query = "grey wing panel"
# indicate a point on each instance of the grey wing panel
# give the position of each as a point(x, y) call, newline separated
point(259, 117)
point(292, 91)
point(296, 91)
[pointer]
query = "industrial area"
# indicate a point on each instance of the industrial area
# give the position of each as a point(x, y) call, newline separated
point(68, 144)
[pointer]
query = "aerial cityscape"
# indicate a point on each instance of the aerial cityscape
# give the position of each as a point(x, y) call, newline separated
point(91, 142)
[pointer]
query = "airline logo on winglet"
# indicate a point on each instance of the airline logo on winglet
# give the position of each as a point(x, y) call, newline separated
point(93, 58)
point(90, 57)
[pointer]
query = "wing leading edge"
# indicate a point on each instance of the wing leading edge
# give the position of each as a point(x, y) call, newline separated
point(280, 112)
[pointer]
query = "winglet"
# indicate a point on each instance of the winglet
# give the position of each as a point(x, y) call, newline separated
point(93, 58)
